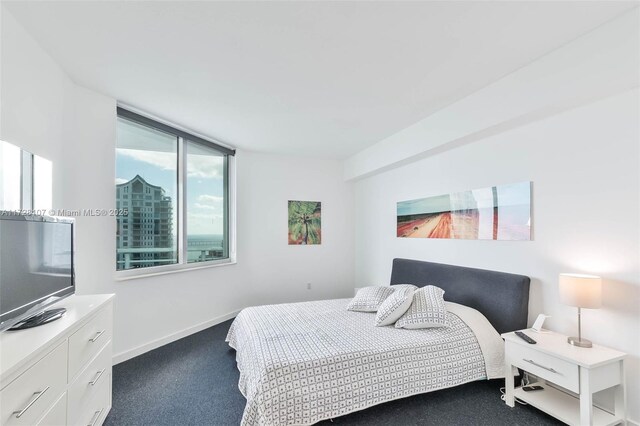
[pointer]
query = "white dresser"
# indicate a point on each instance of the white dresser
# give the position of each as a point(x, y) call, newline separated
point(59, 373)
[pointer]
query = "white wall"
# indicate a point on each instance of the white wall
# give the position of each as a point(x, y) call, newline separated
point(584, 165)
point(279, 272)
point(44, 112)
point(576, 73)
point(34, 90)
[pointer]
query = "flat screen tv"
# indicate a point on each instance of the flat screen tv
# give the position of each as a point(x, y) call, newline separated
point(36, 267)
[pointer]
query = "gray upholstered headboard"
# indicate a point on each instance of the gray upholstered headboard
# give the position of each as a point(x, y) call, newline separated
point(503, 298)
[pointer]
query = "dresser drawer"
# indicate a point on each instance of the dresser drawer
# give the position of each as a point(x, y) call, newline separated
point(29, 396)
point(57, 415)
point(95, 411)
point(86, 385)
point(85, 343)
point(545, 366)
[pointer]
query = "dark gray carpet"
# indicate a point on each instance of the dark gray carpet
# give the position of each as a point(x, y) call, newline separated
point(194, 381)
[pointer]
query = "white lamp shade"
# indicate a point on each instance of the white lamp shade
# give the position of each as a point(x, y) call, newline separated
point(583, 291)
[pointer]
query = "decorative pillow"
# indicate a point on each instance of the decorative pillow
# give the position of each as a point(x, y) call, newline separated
point(395, 305)
point(397, 287)
point(369, 299)
point(427, 310)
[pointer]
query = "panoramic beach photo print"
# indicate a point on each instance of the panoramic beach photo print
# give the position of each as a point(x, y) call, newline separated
point(500, 212)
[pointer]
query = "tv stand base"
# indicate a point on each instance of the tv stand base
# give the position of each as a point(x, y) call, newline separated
point(40, 318)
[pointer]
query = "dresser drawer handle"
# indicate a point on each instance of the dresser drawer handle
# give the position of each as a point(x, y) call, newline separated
point(98, 375)
point(530, 361)
point(97, 336)
point(95, 417)
point(37, 395)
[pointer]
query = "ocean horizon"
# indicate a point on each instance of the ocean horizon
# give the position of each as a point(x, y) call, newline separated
point(205, 237)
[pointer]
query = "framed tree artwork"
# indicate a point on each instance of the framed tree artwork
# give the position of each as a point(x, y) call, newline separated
point(305, 226)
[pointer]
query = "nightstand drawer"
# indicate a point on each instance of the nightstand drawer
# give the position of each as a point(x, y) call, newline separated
point(545, 366)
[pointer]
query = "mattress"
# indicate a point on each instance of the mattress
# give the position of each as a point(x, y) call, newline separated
point(304, 362)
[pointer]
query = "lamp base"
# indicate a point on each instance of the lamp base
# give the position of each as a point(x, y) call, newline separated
point(581, 343)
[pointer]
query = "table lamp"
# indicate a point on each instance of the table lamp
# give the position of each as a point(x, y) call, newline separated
point(582, 291)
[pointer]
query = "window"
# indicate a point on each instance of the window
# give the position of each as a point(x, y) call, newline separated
point(25, 180)
point(172, 188)
point(206, 183)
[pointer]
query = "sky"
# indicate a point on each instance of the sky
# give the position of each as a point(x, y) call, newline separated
point(516, 194)
point(152, 155)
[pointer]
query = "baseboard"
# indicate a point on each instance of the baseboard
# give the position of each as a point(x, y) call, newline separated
point(131, 353)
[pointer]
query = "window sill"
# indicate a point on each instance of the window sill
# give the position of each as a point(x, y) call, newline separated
point(170, 269)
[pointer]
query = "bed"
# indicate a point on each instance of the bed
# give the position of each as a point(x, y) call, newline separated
point(301, 363)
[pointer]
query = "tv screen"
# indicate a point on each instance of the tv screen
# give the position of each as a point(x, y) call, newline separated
point(36, 264)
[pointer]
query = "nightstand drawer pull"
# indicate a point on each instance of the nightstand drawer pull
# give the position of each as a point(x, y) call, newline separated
point(37, 395)
point(530, 361)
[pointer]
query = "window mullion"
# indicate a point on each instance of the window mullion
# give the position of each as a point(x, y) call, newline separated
point(182, 201)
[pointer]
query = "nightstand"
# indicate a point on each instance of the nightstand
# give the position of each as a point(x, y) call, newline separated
point(582, 371)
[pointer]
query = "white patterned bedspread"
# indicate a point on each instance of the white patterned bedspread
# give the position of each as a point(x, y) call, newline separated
point(305, 362)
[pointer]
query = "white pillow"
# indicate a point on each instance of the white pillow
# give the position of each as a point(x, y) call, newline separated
point(427, 310)
point(368, 299)
point(397, 287)
point(395, 305)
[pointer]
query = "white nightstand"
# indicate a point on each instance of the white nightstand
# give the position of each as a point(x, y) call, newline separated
point(583, 371)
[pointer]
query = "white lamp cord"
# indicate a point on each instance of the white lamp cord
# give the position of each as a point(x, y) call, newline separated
point(524, 382)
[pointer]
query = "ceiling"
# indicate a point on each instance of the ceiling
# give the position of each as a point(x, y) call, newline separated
point(324, 79)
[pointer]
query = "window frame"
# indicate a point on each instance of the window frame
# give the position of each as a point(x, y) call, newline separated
point(183, 137)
